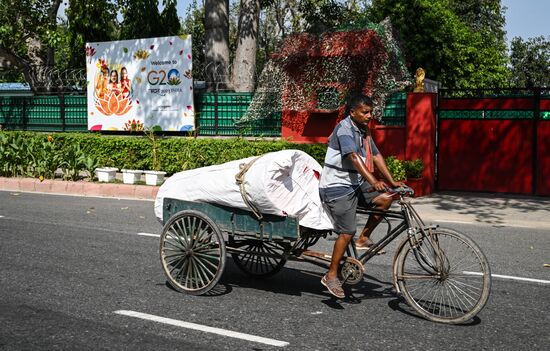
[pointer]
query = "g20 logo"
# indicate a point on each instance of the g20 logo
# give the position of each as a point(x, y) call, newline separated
point(160, 77)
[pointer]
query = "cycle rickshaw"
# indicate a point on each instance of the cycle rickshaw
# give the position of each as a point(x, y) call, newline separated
point(441, 273)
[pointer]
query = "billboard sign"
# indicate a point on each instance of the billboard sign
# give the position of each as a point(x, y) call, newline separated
point(143, 83)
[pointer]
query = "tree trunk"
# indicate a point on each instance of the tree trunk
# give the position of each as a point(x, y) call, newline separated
point(216, 26)
point(52, 17)
point(244, 65)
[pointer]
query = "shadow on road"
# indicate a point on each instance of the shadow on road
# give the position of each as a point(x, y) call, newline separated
point(489, 208)
point(297, 282)
point(400, 305)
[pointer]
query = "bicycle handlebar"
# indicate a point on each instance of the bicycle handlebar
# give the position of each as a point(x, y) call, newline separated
point(402, 190)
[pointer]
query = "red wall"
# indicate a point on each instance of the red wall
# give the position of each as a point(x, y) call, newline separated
point(390, 140)
point(543, 158)
point(487, 104)
point(420, 138)
point(316, 129)
point(474, 155)
point(486, 155)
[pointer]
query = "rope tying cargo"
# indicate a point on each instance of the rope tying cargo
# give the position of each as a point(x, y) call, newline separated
point(240, 178)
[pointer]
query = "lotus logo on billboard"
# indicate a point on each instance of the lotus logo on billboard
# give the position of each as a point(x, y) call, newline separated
point(112, 90)
point(147, 82)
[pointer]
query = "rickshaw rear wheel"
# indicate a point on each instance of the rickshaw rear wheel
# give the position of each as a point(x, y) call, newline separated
point(192, 252)
point(263, 258)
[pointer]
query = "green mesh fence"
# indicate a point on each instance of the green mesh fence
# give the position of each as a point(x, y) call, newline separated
point(44, 113)
point(486, 114)
point(76, 113)
point(12, 110)
point(219, 112)
point(395, 111)
point(542, 94)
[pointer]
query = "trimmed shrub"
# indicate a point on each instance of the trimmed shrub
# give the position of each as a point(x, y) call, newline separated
point(174, 154)
point(396, 168)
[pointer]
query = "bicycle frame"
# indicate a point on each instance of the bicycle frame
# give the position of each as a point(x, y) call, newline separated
point(410, 222)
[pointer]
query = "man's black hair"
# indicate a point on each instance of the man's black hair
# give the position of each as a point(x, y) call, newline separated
point(356, 100)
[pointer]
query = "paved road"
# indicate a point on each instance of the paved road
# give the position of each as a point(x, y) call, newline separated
point(498, 210)
point(67, 264)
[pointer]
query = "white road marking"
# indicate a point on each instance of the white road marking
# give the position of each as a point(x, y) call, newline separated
point(512, 277)
point(149, 234)
point(451, 221)
point(1, 216)
point(203, 328)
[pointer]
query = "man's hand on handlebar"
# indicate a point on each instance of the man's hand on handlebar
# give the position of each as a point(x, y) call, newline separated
point(402, 189)
point(395, 184)
point(396, 188)
point(380, 186)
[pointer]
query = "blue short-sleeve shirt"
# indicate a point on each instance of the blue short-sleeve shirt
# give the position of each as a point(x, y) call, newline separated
point(339, 177)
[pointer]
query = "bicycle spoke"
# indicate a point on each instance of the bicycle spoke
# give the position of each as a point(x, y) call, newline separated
point(449, 293)
point(462, 289)
point(416, 276)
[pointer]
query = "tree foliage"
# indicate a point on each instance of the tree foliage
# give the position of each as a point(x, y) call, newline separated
point(141, 19)
point(449, 46)
point(458, 42)
point(193, 24)
point(322, 15)
point(28, 36)
point(25, 20)
point(169, 19)
point(530, 62)
point(89, 21)
point(481, 15)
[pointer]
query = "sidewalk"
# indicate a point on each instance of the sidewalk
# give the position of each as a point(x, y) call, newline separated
point(479, 208)
point(485, 208)
point(80, 188)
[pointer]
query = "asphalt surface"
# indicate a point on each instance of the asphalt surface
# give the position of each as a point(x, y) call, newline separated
point(491, 209)
point(67, 264)
point(498, 210)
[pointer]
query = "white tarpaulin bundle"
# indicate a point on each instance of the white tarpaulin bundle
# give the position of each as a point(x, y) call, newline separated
point(281, 183)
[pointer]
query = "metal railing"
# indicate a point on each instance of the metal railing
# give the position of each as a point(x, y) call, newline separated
point(495, 103)
point(217, 114)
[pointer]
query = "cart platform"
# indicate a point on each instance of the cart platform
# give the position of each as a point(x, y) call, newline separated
point(236, 221)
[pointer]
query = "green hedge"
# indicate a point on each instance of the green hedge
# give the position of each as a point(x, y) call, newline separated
point(174, 153)
point(38, 154)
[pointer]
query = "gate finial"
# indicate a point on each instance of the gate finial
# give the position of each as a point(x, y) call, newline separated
point(419, 77)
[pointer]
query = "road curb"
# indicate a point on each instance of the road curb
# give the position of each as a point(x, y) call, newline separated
point(79, 188)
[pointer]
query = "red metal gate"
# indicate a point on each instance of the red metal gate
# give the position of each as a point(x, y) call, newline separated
point(498, 143)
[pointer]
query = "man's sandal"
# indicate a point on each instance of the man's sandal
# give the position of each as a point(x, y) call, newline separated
point(369, 247)
point(334, 287)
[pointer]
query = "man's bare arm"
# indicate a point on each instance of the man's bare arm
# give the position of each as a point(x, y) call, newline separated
point(381, 165)
point(360, 166)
